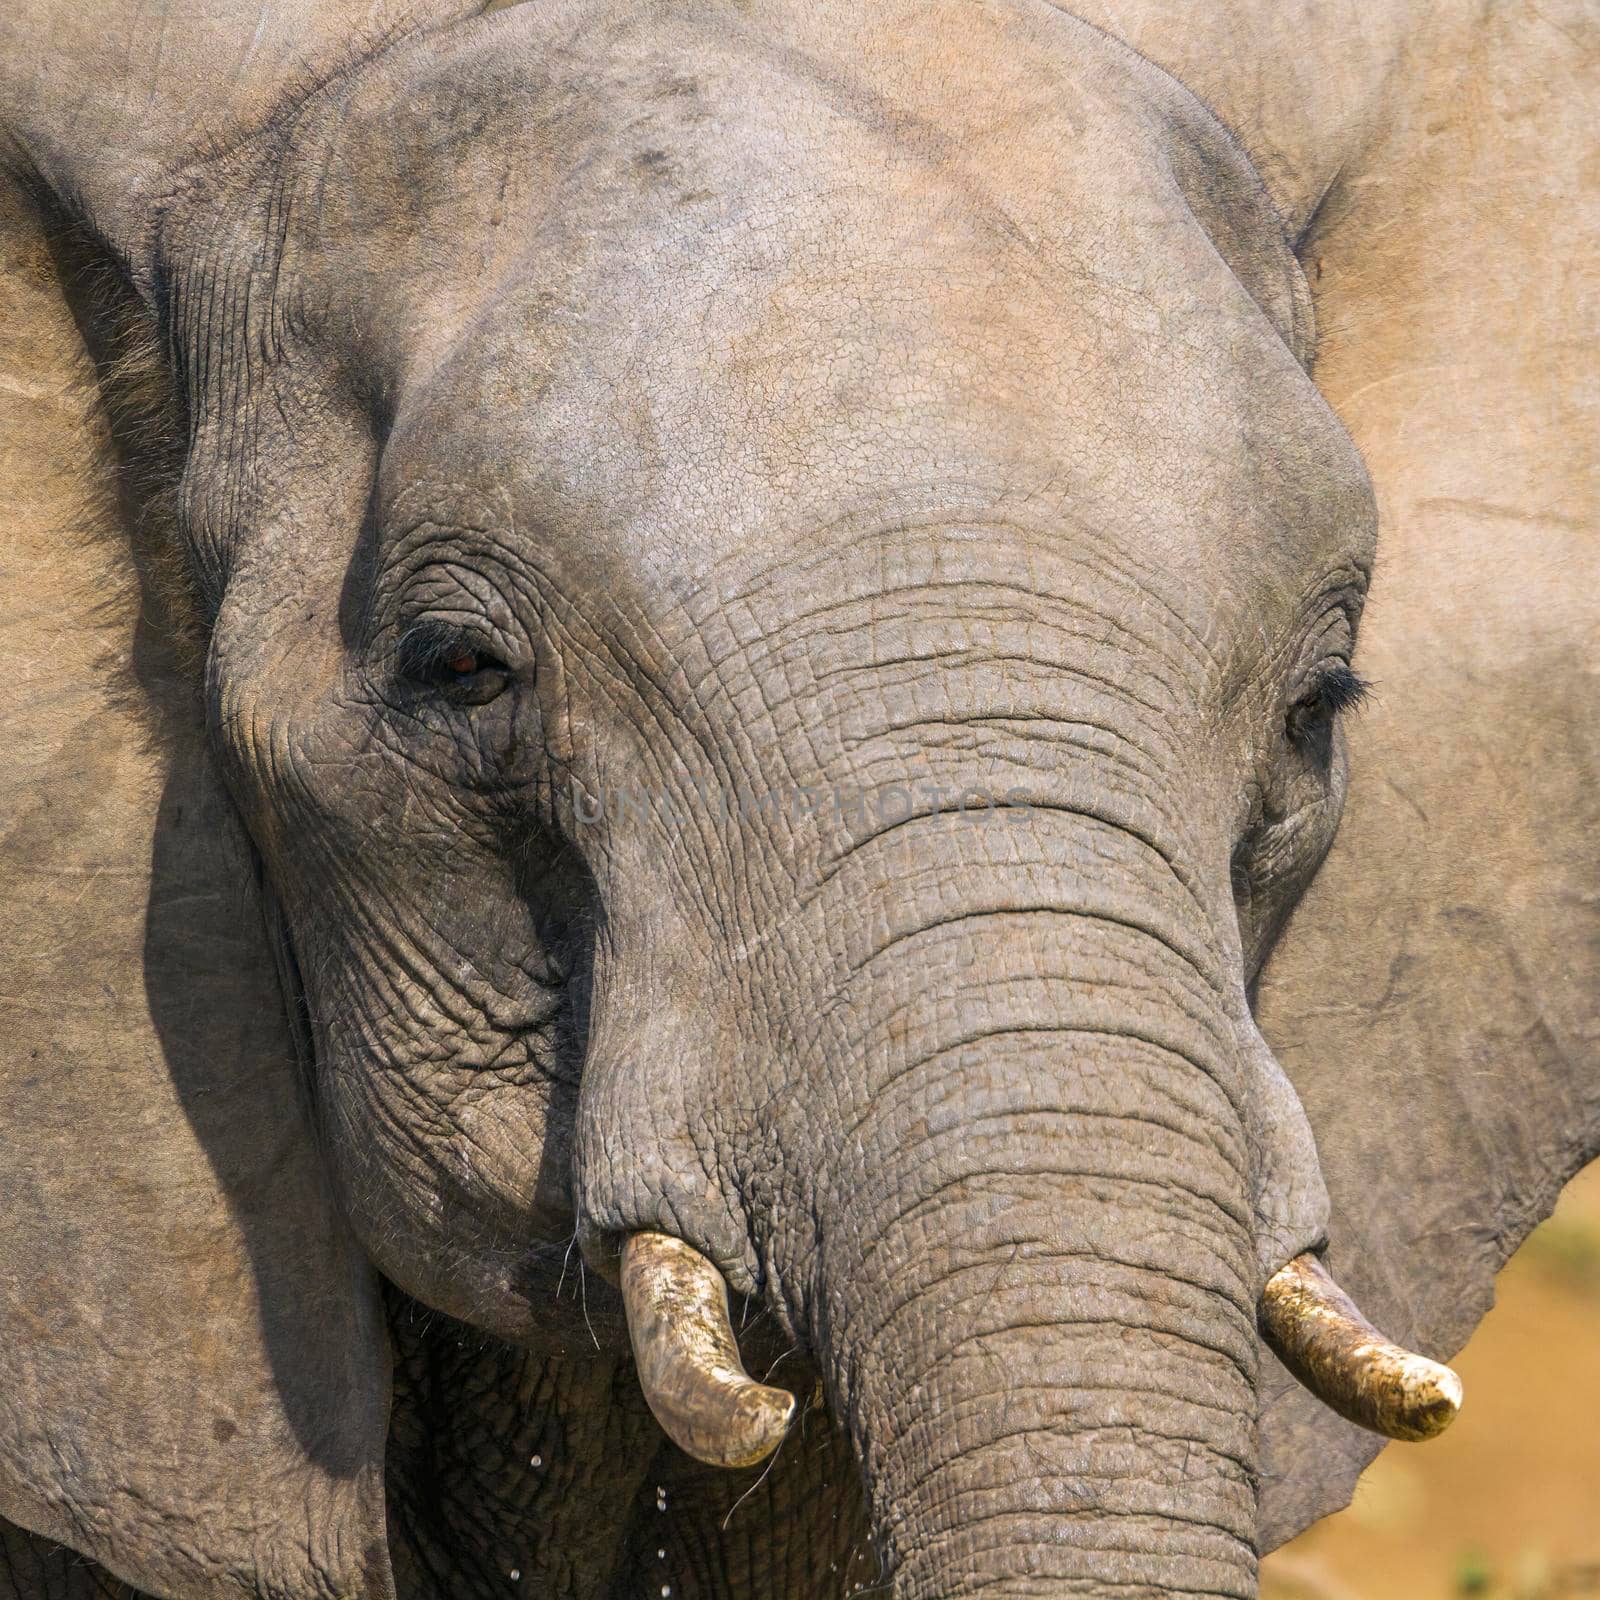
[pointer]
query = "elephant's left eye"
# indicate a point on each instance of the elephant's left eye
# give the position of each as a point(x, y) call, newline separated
point(1336, 688)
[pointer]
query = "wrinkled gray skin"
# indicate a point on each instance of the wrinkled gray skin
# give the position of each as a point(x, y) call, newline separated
point(805, 418)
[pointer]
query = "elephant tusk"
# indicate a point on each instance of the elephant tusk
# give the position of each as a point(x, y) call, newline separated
point(688, 1360)
point(1314, 1328)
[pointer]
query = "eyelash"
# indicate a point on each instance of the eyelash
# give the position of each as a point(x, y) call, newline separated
point(1338, 689)
point(1342, 688)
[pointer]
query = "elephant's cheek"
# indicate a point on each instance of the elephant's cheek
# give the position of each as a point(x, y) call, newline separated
point(462, 1198)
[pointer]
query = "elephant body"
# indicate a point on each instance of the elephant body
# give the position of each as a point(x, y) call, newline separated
point(732, 622)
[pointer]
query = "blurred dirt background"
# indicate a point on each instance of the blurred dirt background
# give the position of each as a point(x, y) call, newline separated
point(1506, 1506)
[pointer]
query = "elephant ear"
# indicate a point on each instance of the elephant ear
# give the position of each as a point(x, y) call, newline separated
point(1435, 998)
point(193, 1365)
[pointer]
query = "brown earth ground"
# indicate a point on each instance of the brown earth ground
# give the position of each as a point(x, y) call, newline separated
point(1506, 1505)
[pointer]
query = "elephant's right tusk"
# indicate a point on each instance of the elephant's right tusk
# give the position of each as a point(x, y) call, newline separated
point(1320, 1336)
point(688, 1360)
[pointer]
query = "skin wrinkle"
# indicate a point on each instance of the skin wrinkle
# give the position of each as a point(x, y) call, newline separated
point(419, 975)
point(1140, 1439)
point(1141, 644)
point(866, 529)
point(1124, 1035)
point(1127, 1523)
point(1132, 1524)
point(1080, 898)
point(881, 1329)
point(1080, 1177)
point(1154, 1587)
point(1039, 800)
point(1095, 1490)
point(1140, 1304)
point(1100, 914)
point(476, 1029)
point(967, 1184)
point(918, 1065)
point(626, 703)
point(933, 1058)
point(1036, 657)
point(1159, 1444)
point(1029, 658)
point(1149, 1588)
point(1039, 803)
point(847, 1135)
point(1016, 724)
point(1028, 781)
point(1240, 1540)
point(1203, 1108)
point(1105, 1306)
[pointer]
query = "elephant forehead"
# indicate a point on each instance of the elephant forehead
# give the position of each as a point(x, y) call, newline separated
point(680, 414)
point(699, 203)
point(685, 297)
point(531, 149)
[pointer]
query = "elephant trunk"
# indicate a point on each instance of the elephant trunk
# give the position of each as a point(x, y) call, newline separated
point(1050, 1372)
point(993, 1158)
point(1044, 1407)
point(1035, 1269)
point(1036, 1242)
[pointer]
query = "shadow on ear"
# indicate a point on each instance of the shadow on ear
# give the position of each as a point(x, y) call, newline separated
point(194, 1373)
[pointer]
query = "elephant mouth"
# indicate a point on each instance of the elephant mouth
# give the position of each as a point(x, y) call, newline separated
point(696, 1385)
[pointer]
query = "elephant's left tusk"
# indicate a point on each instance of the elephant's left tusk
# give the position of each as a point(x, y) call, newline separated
point(688, 1359)
point(1320, 1336)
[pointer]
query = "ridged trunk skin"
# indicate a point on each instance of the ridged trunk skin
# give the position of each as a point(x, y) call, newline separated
point(1033, 1245)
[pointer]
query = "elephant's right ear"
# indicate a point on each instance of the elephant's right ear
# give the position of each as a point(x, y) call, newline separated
point(193, 1364)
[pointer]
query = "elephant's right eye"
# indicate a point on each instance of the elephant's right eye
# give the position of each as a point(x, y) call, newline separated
point(437, 656)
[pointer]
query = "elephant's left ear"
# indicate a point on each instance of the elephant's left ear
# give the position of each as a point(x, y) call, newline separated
point(193, 1363)
point(1436, 999)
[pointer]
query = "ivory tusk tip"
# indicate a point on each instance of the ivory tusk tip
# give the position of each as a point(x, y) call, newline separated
point(1450, 1389)
point(758, 1420)
point(1436, 1400)
point(1323, 1339)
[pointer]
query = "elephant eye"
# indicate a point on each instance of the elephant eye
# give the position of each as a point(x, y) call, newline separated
point(436, 656)
point(1337, 688)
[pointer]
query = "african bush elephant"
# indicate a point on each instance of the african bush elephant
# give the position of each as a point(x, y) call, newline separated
point(662, 650)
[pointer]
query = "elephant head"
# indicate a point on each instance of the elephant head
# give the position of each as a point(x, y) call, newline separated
point(776, 605)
